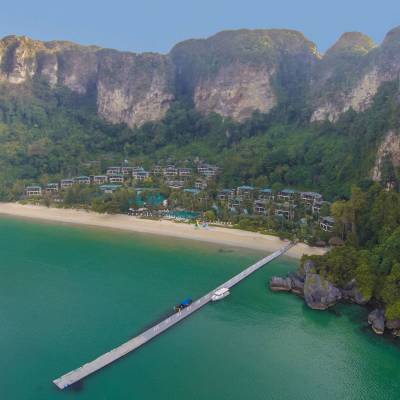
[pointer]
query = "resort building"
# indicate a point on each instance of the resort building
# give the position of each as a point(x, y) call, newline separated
point(185, 172)
point(309, 198)
point(245, 192)
point(317, 205)
point(170, 171)
point(175, 184)
point(285, 210)
point(265, 194)
point(234, 202)
point(286, 195)
point(226, 194)
point(100, 179)
point(201, 184)
point(82, 180)
point(110, 188)
point(140, 212)
point(66, 183)
point(327, 224)
point(33, 191)
point(116, 178)
point(113, 170)
point(207, 170)
point(260, 207)
point(140, 175)
point(52, 188)
point(126, 171)
point(157, 170)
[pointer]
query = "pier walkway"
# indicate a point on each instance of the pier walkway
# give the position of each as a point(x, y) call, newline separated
point(108, 358)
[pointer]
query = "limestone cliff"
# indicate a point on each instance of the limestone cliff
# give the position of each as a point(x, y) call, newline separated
point(389, 150)
point(133, 88)
point(235, 73)
point(130, 88)
point(351, 72)
point(236, 91)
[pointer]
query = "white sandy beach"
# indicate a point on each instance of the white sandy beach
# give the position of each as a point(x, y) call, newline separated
point(218, 235)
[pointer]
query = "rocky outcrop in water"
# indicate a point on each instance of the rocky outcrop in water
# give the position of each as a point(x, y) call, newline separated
point(376, 319)
point(352, 293)
point(319, 293)
point(292, 283)
point(394, 326)
point(278, 284)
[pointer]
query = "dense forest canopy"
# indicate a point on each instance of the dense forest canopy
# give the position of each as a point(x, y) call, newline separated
point(370, 224)
point(48, 134)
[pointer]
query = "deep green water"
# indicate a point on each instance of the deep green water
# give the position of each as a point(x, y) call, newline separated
point(68, 294)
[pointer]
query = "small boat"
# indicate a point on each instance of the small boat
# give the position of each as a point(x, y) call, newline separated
point(219, 294)
point(184, 304)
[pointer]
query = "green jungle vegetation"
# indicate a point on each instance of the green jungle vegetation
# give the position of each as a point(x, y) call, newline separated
point(48, 134)
point(369, 222)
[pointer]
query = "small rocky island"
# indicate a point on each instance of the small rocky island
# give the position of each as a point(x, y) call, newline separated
point(320, 294)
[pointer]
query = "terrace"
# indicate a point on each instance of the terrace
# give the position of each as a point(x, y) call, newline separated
point(116, 178)
point(52, 188)
point(33, 191)
point(66, 183)
point(286, 195)
point(109, 189)
point(327, 224)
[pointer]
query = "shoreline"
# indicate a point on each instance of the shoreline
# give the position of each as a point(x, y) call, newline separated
point(216, 235)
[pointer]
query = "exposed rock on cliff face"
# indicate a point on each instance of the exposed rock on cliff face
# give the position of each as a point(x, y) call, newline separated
point(319, 293)
point(235, 73)
point(351, 73)
point(133, 88)
point(293, 283)
point(377, 321)
point(236, 91)
point(278, 284)
point(352, 293)
point(389, 150)
point(129, 88)
point(341, 81)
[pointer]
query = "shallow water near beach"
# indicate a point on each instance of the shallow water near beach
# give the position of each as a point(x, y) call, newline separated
point(69, 294)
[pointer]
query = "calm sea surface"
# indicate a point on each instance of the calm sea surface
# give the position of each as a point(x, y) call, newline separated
point(68, 294)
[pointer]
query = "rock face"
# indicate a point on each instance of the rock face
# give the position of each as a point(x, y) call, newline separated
point(233, 73)
point(278, 284)
point(293, 283)
point(133, 88)
point(236, 91)
point(377, 321)
point(388, 150)
point(352, 293)
point(351, 72)
point(129, 88)
point(319, 293)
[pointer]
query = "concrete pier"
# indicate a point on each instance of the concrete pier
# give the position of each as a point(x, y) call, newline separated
point(108, 358)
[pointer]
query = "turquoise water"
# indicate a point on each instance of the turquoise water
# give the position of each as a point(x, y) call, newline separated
point(68, 294)
point(151, 199)
point(184, 214)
